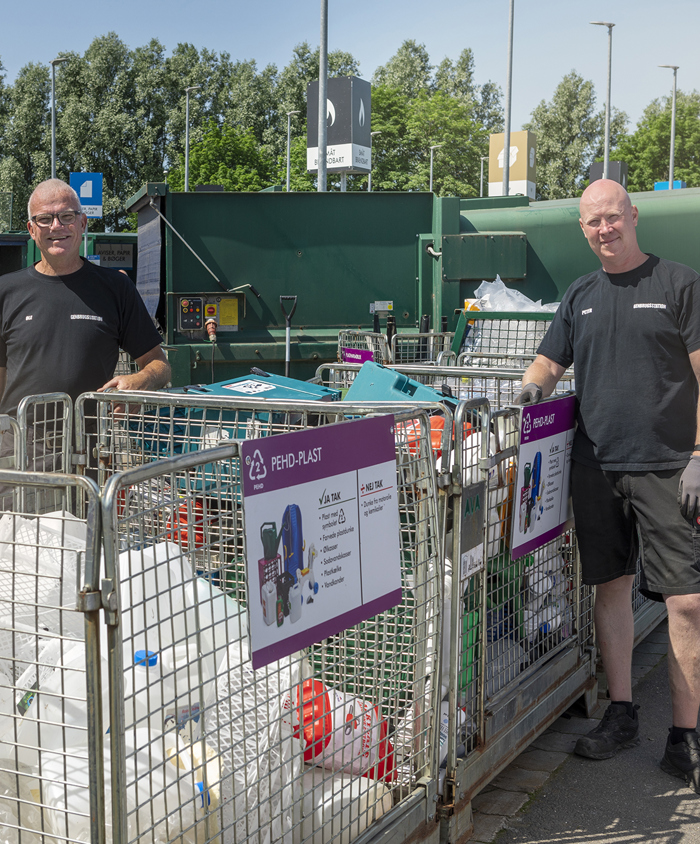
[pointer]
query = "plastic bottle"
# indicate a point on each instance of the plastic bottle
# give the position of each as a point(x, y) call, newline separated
point(168, 788)
point(337, 808)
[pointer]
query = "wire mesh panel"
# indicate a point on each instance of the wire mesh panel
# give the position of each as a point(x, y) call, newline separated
point(356, 346)
point(318, 746)
point(500, 385)
point(508, 339)
point(126, 365)
point(510, 617)
point(435, 347)
point(51, 719)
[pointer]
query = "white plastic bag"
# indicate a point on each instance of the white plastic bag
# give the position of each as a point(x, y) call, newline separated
point(495, 296)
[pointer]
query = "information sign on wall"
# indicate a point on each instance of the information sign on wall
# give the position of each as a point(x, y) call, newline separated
point(88, 186)
point(117, 255)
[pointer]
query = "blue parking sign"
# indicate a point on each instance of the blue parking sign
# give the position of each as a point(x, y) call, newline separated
point(88, 186)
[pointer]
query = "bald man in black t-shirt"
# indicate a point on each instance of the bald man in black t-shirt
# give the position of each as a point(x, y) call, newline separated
point(632, 331)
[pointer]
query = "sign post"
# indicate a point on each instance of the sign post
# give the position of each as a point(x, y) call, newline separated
point(322, 533)
point(88, 186)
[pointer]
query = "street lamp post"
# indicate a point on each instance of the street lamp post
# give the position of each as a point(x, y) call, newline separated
point(289, 140)
point(432, 148)
point(323, 101)
point(187, 134)
point(509, 89)
point(606, 153)
point(481, 182)
point(369, 177)
point(54, 62)
point(674, 68)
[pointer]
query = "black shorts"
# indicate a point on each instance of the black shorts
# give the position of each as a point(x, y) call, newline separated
point(615, 510)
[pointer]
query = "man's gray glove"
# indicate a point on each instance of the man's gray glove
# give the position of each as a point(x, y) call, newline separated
point(689, 491)
point(530, 394)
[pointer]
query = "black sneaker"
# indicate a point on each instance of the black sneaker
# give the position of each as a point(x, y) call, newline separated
point(615, 732)
point(683, 759)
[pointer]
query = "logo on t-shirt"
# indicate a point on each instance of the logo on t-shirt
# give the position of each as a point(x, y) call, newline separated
point(655, 305)
point(31, 316)
point(587, 311)
point(87, 316)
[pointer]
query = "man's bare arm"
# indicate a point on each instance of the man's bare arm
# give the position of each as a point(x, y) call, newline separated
point(545, 373)
point(154, 373)
point(695, 363)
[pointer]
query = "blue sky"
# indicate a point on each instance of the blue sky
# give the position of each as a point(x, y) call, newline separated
point(551, 37)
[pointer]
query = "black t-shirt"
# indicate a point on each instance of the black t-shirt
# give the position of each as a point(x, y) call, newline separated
point(63, 333)
point(629, 336)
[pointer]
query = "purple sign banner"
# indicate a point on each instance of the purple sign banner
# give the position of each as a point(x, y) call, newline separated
point(322, 533)
point(542, 507)
point(356, 355)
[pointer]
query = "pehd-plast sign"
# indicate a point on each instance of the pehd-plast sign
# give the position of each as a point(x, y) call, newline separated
point(542, 505)
point(322, 533)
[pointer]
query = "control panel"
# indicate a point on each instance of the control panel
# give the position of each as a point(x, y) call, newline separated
point(195, 311)
point(191, 313)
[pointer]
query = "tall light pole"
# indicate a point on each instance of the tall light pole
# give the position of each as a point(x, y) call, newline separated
point(187, 133)
point(323, 99)
point(509, 90)
point(369, 177)
point(54, 62)
point(674, 68)
point(289, 140)
point(481, 182)
point(432, 148)
point(606, 152)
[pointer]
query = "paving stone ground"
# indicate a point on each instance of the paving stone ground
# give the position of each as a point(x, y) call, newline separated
point(515, 786)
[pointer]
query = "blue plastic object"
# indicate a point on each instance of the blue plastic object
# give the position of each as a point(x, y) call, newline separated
point(262, 385)
point(375, 382)
point(182, 430)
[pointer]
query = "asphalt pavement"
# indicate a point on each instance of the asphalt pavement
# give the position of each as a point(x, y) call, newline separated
point(550, 796)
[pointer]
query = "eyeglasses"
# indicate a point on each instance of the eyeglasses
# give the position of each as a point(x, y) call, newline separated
point(45, 221)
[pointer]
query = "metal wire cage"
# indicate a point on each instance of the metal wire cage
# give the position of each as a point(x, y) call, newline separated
point(356, 346)
point(245, 773)
point(51, 726)
point(503, 339)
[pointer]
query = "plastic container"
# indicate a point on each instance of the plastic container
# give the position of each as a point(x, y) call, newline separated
point(39, 574)
point(341, 732)
point(375, 382)
point(168, 786)
point(337, 808)
point(542, 619)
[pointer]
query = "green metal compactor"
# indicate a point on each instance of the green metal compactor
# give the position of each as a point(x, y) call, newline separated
point(221, 271)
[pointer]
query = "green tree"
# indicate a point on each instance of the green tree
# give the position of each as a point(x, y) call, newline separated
point(569, 137)
point(647, 149)
point(445, 120)
point(408, 71)
point(225, 156)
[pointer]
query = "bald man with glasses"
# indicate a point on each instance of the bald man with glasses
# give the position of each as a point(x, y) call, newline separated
point(63, 321)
